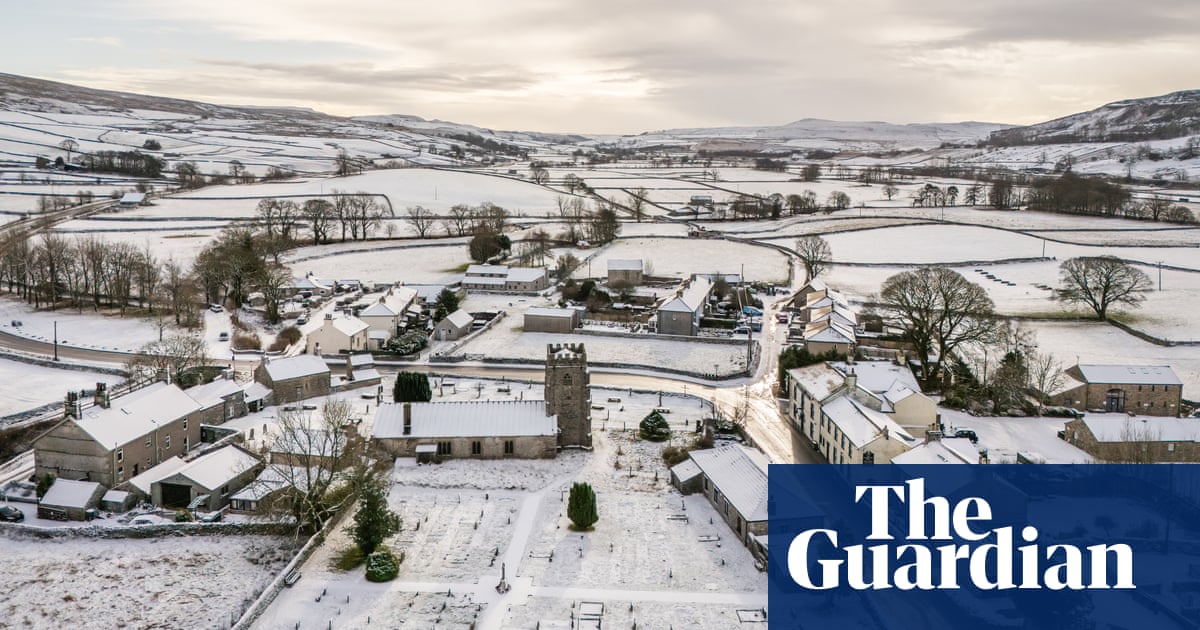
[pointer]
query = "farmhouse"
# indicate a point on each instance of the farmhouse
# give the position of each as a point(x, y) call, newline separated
point(221, 400)
point(551, 320)
point(853, 412)
point(208, 481)
point(310, 286)
point(734, 478)
point(294, 378)
point(114, 440)
point(1126, 438)
point(1148, 390)
point(680, 315)
point(386, 315)
point(624, 273)
point(338, 334)
point(456, 325)
point(504, 279)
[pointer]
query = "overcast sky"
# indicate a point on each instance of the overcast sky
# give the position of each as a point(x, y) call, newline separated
point(622, 66)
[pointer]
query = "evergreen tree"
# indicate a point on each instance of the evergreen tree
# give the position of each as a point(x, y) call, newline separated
point(374, 521)
point(581, 507)
point(412, 387)
point(447, 302)
point(655, 428)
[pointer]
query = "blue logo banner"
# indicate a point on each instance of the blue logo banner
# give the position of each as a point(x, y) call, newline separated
point(983, 547)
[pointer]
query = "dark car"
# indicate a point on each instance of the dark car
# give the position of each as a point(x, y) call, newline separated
point(10, 513)
point(967, 433)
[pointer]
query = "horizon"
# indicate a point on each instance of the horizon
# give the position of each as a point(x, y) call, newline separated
point(625, 69)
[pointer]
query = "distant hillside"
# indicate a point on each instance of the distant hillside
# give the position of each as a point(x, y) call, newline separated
point(1173, 115)
point(814, 134)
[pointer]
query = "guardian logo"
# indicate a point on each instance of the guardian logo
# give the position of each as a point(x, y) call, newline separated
point(983, 547)
point(908, 561)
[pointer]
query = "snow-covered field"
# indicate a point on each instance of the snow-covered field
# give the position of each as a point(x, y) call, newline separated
point(168, 582)
point(465, 521)
point(30, 386)
point(433, 264)
point(81, 330)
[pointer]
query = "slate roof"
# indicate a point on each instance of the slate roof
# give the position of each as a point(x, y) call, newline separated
point(1130, 374)
point(214, 393)
point(215, 469)
point(944, 451)
point(466, 419)
point(296, 367)
point(625, 265)
point(862, 424)
point(1120, 427)
point(740, 473)
point(165, 469)
point(133, 415)
point(818, 380)
point(66, 493)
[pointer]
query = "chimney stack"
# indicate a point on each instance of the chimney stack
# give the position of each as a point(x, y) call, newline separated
point(349, 368)
point(407, 418)
point(71, 405)
point(102, 397)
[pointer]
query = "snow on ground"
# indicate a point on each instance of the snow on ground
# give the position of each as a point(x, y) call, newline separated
point(81, 330)
point(507, 339)
point(194, 581)
point(682, 257)
point(1003, 437)
point(29, 386)
point(408, 264)
point(465, 520)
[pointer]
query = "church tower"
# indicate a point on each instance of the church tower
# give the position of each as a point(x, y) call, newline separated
point(568, 394)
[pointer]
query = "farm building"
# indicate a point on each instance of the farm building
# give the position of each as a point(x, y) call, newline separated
point(294, 378)
point(734, 479)
point(456, 325)
point(70, 500)
point(1148, 390)
point(208, 481)
point(1125, 438)
point(552, 320)
point(625, 273)
point(504, 279)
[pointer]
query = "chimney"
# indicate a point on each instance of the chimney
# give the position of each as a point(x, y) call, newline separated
point(328, 317)
point(101, 397)
point(407, 418)
point(851, 379)
point(349, 368)
point(71, 405)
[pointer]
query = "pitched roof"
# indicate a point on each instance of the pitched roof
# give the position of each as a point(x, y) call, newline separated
point(740, 473)
point(378, 309)
point(526, 274)
point(1130, 374)
point(879, 376)
point(214, 393)
point(310, 441)
point(133, 415)
point(466, 419)
point(296, 367)
point(1120, 427)
point(818, 380)
point(828, 332)
point(945, 451)
point(256, 391)
point(686, 470)
point(862, 424)
point(215, 469)
point(676, 305)
point(460, 319)
point(348, 326)
point(487, 270)
point(143, 481)
point(70, 494)
point(541, 311)
point(617, 264)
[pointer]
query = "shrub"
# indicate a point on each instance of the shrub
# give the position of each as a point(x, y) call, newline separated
point(581, 507)
point(246, 341)
point(412, 387)
point(183, 516)
point(655, 428)
point(382, 566)
point(348, 559)
point(43, 484)
point(285, 338)
point(674, 455)
point(409, 343)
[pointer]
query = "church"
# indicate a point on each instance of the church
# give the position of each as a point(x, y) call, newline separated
point(433, 431)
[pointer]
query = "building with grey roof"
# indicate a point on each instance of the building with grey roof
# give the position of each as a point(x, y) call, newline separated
point(481, 430)
point(294, 378)
point(734, 479)
point(1149, 390)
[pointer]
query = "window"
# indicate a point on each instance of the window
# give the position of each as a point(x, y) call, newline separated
point(299, 392)
point(167, 442)
point(186, 443)
point(1170, 447)
point(509, 447)
point(120, 455)
point(224, 491)
point(868, 457)
point(185, 421)
point(148, 441)
point(120, 473)
point(476, 447)
point(443, 448)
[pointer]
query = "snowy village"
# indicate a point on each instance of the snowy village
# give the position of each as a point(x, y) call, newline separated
point(264, 367)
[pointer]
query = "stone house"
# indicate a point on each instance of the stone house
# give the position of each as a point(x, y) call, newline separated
point(69, 500)
point(625, 272)
point(385, 317)
point(1127, 438)
point(479, 430)
point(220, 401)
point(504, 279)
point(117, 439)
point(551, 320)
point(294, 378)
point(734, 479)
point(680, 315)
point(455, 326)
point(1148, 390)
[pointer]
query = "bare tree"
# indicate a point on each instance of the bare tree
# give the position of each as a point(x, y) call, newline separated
point(320, 217)
point(421, 219)
point(637, 203)
point(890, 191)
point(838, 200)
point(1045, 375)
point(459, 219)
point(815, 254)
point(1137, 444)
point(174, 355)
point(70, 146)
point(1101, 282)
point(939, 310)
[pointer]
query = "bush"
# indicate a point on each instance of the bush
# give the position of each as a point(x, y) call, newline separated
point(348, 559)
point(408, 343)
point(285, 338)
point(183, 516)
point(581, 507)
point(246, 341)
point(655, 428)
point(674, 455)
point(382, 566)
point(43, 484)
point(412, 387)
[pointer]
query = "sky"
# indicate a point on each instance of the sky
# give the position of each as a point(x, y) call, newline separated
point(622, 66)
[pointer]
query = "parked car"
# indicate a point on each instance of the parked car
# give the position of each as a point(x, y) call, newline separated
point(10, 513)
point(967, 433)
point(223, 337)
point(216, 308)
point(302, 320)
point(741, 330)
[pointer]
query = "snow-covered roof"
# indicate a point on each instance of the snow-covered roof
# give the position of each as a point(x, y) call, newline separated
point(391, 304)
point(215, 469)
point(67, 493)
point(945, 451)
point(697, 292)
point(485, 280)
point(878, 376)
point(487, 270)
point(310, 283)
point(366, 374)
point(625, 265)
point(740, 473)
point(862, 424)
point(1120, 427)
point(143, 481)
point(256, 391)
point(378, 309)
point(361, 360)
point(466, 419)
point(133, 415)
point(426, 292)
point(676, 305)
point(816, 284)
point(460, 319)
point(296, 367)
point(686, 470)
point(897, 392)
point(541, 311)
point(214, 393)
point(819, 380)
point(1130, 374)
point(348, 326)
point(828, 332)
point(272, 478)
point(115, 496)
point(526, 274)
point(133, 198)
